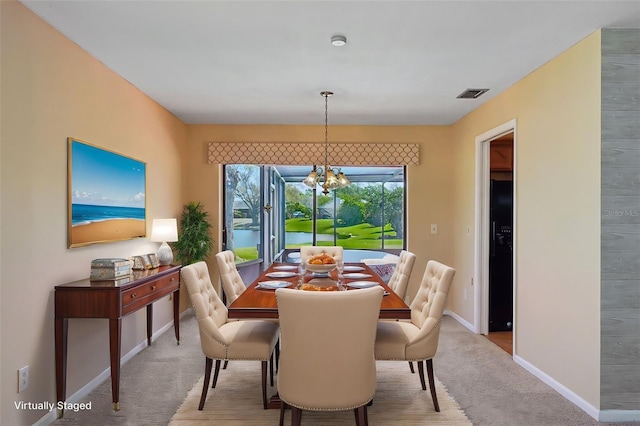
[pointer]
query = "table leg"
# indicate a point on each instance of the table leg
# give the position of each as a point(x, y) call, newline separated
point(149, 322)
point(176, 314)
point(115, 328)
point(61, 332)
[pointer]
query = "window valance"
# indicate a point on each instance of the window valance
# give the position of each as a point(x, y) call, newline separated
point(303, 153)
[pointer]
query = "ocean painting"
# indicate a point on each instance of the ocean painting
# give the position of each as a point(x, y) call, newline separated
point(106, 195)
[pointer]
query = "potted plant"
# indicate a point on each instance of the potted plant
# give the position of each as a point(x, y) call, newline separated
point(194, 241)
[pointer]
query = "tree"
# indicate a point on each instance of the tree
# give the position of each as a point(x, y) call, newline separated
point(248, 191)
point(374, 205)
point(231, 183)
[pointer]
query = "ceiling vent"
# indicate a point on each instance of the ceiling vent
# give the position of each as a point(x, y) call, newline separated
point(472, 93)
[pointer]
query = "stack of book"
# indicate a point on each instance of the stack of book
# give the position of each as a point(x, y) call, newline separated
point(110, 269)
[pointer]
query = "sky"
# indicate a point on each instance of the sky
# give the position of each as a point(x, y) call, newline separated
point(105, 178)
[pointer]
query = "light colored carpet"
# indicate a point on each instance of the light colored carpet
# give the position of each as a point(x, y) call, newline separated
point(237, 400)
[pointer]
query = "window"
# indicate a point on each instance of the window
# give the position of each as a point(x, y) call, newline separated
point(369, 214)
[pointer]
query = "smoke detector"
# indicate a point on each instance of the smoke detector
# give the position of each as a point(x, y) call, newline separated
point(338, 40)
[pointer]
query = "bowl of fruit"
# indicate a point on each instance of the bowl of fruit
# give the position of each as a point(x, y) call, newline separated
point(321, 263)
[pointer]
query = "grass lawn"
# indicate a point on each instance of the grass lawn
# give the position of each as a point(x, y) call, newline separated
point(362, 236)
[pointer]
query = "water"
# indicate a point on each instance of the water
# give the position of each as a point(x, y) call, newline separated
point(82, 214)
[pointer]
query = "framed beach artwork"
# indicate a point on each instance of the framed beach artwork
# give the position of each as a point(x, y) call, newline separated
point(106, 195)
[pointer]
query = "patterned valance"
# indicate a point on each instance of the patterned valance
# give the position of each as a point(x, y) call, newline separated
point(294, 154)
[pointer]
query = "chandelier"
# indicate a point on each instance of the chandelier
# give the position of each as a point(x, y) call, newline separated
point(332, 179)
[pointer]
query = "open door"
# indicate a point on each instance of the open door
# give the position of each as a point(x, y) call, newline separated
point(495, 288)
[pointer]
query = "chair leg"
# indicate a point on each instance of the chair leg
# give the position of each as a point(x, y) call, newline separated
point(277, 354)
point(226, 362)
point(205, 386)
point(296, 416)
point(411, 367)
point(361, 416)
point(283, 406)
point(421, 373)
point(264, 384)
point(215, 374)
point(432, 384)
point(271, 368)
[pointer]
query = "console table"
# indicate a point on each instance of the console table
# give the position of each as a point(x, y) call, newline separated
point(104, 299)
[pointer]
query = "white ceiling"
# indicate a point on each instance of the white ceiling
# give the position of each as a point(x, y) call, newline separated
point(266, 62)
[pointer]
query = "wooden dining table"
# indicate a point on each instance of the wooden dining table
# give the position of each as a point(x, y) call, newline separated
point(258, 302)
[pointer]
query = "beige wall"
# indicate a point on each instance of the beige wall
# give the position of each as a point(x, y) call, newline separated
point(429, 184)
point(557, 170)
point(51, 89)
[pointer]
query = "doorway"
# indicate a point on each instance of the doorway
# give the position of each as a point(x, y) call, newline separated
point(495, 237)
point(500, 228)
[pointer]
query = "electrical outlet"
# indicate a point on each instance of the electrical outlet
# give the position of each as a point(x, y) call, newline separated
point(23, 378)
point(434, 228)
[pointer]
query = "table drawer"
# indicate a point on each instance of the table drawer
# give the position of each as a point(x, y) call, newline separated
point(134, 298)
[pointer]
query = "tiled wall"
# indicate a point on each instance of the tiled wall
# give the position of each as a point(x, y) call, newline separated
point(620, 220)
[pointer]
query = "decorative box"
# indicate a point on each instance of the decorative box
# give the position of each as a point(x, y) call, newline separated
point(112, 282)
point(108, 269)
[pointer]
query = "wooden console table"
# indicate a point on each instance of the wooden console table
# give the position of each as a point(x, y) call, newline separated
point(103, 299)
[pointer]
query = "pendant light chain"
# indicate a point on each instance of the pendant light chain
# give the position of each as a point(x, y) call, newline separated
point(326, 177)
point(326, 128)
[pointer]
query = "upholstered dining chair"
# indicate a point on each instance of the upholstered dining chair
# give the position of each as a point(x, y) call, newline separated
point(417, 340)
point(232, 282)
point(399, 280)
point(327, 356)
point(306, 252)
point(233, 285)
point(223, 340)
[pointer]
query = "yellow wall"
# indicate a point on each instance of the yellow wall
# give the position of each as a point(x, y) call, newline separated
point(51, 89)
point(429, 184)
point(557, 171)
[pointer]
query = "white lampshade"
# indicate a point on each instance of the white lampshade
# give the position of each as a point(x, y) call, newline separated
point(164, 230)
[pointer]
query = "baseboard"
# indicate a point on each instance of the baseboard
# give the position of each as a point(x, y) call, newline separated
point(615, 416)
point(558, 387)
point(609, 416)
point(106, 374)
point(460, 320)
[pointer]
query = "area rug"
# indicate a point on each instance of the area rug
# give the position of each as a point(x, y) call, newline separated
point(237, 400)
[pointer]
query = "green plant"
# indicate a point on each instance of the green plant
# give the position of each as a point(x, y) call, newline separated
point(194, 241)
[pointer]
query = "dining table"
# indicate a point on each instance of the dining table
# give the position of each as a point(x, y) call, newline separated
point(258, 301)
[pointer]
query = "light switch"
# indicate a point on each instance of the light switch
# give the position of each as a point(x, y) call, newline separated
point(434, 228)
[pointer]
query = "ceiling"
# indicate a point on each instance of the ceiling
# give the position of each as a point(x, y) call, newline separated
point(266, 62)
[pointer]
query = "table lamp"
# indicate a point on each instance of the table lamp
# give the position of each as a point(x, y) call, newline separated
point(164, 230)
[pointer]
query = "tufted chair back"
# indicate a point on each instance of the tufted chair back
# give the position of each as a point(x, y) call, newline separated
point(307, 252)
point(399, 280)
point(209, 309)
point(232, 282)
point(427, 307)
point(327, 355)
